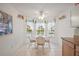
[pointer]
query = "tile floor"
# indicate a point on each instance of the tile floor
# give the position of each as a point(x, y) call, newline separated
point(34, 51)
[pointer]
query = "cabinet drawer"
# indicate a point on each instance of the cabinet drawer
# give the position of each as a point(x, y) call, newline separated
point(77, 48)
point(68, 43)
point(77, 53)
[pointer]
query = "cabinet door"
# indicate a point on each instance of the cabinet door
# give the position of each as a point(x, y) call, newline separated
point(67, 50)
point(77, 50)
point(77, 53)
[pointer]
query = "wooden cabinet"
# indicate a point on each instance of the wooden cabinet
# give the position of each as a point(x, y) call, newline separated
point(70, 46)
point(67, 48)
point(77, 51)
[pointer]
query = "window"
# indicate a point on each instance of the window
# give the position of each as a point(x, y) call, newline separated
point(40, 28)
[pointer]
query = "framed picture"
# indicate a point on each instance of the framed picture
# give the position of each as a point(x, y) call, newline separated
point(6, 24)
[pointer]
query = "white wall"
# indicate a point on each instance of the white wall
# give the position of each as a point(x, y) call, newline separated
point(63, 28)
point(11, 42)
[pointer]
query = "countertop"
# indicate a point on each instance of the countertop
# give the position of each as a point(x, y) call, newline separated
point(71, 40)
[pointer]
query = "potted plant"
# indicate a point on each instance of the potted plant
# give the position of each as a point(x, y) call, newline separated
point(29, 30)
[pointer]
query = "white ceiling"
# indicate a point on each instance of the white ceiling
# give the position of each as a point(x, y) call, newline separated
point(30, 9)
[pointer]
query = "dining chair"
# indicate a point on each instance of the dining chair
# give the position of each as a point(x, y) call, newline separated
point(32, 42)
point(40, 41)
point(48, 42)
